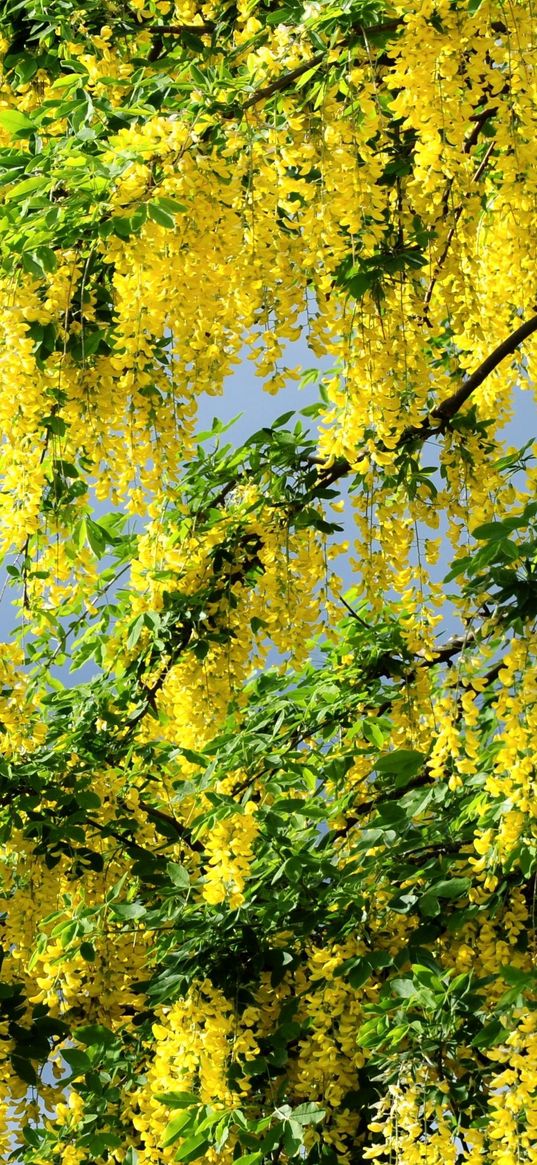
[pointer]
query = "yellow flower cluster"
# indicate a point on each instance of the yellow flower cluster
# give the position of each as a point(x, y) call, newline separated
point(194, 1042)
point(229, 850)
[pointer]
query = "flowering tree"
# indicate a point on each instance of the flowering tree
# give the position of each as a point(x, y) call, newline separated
point(268, 874)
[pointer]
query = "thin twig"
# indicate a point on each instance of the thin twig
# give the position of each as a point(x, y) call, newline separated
point(451, 233)
point(286, 80)
point(182, 29)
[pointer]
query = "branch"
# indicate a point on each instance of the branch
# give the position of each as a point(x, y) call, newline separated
point(444, 412)
point(286, 79)
point(451, 233)
point(452, 405)
point(183, 832)
point(251, 544)
point(183, 29)
point(283, 82)
point(379, 29)
point(25, 548)
point(381, 667)
point(423, 779)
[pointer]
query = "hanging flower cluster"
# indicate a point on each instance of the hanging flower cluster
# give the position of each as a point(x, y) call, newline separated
point(267, 849)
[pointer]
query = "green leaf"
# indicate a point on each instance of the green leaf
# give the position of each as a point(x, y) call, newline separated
point(26, 67)
point(176, 1127)
point(178, 875)
point(135, 631)
point(194, 758)
point(98, 1142)
point(24, 1069)
point(67, 81)
point(120, 225)
point(357, 971)
point(159, 215)
point(27, 186)
point(15, 122)
point(491, 1033)
point(78, 1061)
point(518, 978)
point(309, 1114)
point(293, 1137)
point(403, 988)
point(95, 1035)
point(177, 1099)
point(95, 538)
point(281, 15)
point(373, 732)
point(198, 76)
point(402, 761)
point(87, 799)
point(128, 910)
point(490, 532)
point(33, 265)
point(305, 77)
point(358, 284)
point(450, 888)
point(55, 425)
point(429, 905)
point(170, 204)
point(193, 1148)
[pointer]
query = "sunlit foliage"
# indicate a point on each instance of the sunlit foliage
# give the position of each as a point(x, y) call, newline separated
point(268, 862)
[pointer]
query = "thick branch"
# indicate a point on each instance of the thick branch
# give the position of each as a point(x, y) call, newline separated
point(448, 409)
point(452, 405)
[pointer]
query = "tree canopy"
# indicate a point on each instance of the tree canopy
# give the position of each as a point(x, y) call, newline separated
point(268, 843)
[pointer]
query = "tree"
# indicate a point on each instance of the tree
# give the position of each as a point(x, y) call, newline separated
point(269, 860)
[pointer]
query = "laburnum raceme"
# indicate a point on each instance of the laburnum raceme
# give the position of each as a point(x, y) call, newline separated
point(267, 709)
